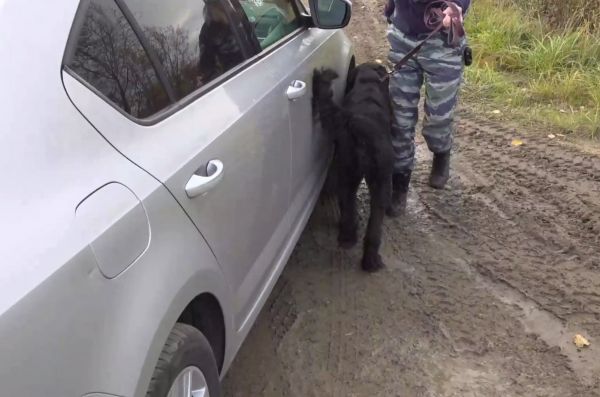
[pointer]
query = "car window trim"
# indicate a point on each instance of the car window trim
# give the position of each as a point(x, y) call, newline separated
point(297, 11)
point(236, 8)
point(182, 103)
point(152, 55)
point(75, 31)
point(232, 16)
point(302, 8)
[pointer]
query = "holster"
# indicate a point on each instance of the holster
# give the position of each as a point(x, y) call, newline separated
point(468, 56)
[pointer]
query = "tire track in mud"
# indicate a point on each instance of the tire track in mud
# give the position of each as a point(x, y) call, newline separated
point(560, 214)
point(560, 155)
point(524, 223)
point(481, 332)
point(341, 330)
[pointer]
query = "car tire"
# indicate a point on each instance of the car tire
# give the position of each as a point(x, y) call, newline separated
point(187, 356)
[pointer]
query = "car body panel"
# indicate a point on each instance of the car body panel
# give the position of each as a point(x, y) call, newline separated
point(245, 209)
point(108, 217)
point(86, 332)
point(312, 147)
point(252, 130)
point(74, 321)
point(66, 329)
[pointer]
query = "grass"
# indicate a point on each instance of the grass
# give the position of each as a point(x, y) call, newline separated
point(535, 66)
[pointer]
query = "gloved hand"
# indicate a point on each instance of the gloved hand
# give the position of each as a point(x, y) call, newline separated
point(452, 14)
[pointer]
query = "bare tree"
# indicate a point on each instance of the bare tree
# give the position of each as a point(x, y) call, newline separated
point(109, 55)
point(177, 54)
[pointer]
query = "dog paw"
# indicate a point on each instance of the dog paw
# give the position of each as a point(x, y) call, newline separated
point(372, 263)
point(347, 239)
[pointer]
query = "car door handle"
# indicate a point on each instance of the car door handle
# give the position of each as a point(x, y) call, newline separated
point(200, 184)
point(296, 89)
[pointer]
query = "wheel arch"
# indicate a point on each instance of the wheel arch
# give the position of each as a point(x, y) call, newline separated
point(202, 302)
point(204, 313)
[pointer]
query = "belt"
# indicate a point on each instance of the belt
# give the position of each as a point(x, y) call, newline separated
point(434, 20)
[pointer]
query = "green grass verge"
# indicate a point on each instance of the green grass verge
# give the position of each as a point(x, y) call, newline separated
point(528, 69)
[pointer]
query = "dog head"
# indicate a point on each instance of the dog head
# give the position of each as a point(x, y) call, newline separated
point(322, 81)
point(322, 86)
point(369, 72)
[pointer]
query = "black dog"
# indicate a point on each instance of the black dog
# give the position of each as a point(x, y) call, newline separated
point(362, 134)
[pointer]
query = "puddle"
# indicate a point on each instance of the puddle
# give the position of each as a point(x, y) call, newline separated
point(547, 326)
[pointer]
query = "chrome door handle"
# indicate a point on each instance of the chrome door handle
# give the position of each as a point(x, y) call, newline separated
point(199, 184)
point(296, 89)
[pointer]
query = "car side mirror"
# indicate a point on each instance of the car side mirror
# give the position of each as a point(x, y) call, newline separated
point(330, 14)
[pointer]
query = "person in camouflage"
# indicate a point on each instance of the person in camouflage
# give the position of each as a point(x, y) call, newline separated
point(440, 66)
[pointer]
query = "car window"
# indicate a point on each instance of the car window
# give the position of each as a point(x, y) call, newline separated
point(193, 39)
point(109, 56)
point(272, 19)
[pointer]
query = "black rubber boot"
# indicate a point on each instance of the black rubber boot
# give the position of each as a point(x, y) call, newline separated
point(400, 183)
point(440, 171)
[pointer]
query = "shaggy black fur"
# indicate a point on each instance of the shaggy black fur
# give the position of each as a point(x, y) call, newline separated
point(362, 134)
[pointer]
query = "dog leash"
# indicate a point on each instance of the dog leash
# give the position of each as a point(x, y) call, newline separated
point(434, 18)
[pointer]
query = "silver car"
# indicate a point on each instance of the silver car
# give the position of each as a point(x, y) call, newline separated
point(160, 160)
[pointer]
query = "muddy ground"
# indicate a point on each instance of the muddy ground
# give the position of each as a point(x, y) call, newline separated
point(486, 282)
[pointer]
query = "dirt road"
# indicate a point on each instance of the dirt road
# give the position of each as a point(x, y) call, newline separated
point(486, 282)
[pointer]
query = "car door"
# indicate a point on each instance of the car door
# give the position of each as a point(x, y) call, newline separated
point(312, 146)
point(296, 49)
point(221, 140)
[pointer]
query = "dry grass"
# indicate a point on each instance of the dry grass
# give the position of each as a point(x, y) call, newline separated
point(536, 64)
point(561, 14)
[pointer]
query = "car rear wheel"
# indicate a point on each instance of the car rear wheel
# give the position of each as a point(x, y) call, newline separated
point(186, 367)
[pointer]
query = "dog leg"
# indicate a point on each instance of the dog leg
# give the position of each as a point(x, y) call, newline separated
point(348, 186)
point(380, 188)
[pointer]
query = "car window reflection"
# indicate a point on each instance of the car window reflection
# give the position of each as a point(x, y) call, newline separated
point(272, 19)
point(194, 39)
point(110, 57)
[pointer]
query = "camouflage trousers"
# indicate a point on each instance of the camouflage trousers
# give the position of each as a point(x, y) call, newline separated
point(440, 66)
